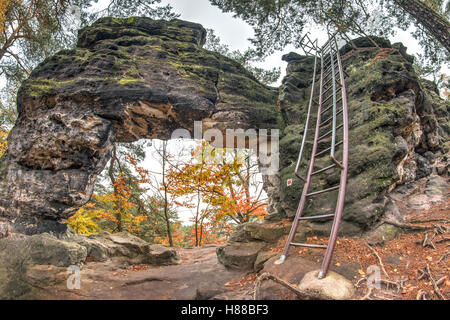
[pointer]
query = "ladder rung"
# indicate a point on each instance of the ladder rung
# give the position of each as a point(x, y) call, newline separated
point(324, 169)
point(326, 50)
point(330, 87)
point(329, 132)
point(319, 217)
point(329, 72)
point(328, 149)
point(322, 191)
point(327, 65)
point(329, 80)
point(331, 95)
point(331, 118)
point(331, 106)
point(327, 61)
point(321, 246)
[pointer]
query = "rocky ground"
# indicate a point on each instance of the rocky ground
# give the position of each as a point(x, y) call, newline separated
point(411, 257)
point(198, 276)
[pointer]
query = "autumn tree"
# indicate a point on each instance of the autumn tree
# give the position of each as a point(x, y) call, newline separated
point(119, 202)
point(3, 141)
point(32, 30)
point(225, 184)
point(168, 159)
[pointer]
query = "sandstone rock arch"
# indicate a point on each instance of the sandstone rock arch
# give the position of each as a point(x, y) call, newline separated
point(135, 78)
point(126, 79)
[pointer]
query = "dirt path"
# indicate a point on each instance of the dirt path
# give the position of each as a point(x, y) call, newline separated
point(198, 276)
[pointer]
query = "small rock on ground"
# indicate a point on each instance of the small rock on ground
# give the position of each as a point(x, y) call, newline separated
point(333, 286)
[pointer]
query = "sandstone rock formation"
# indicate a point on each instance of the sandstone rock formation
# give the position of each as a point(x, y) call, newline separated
point(395, 122)
point(333, 286)
point(136, 78)
point(398, 130)
point(126, 79)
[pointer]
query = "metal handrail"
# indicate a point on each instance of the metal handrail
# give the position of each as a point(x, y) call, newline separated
point(302, 202)
point(324, 74)
point(343, 184)
point(333, 75)
point(305, 130)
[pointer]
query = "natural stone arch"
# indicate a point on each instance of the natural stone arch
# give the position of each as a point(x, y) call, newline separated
point(126, 79)
point(139, 78)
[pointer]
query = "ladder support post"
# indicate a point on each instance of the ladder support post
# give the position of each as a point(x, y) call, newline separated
point(343, 185)
point(302, 202)
point(327, 76)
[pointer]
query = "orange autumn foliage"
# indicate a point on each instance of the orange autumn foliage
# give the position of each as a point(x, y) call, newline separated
point(220, 184)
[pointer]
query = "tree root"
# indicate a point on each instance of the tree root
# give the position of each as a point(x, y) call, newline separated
point(379, 260)
point(444, 257)
point(430, 220)
point(423, 295)
point(435, 286)
point(409, 227)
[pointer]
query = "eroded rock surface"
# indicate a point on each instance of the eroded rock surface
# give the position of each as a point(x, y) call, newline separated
point(333, 286)
point(397, 129)
point(126, 79)
point(139, 78)
point(198, 276)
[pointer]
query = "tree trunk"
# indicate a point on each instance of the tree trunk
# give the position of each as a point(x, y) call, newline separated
point(116, 192)
point(201, 234)
point(197, 214)
point(166, 209)
point(429, 19)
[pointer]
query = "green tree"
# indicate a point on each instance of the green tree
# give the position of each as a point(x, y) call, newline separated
point(32, 30)
point(282, 22)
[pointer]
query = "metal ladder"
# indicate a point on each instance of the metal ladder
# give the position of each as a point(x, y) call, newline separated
point(332, 107)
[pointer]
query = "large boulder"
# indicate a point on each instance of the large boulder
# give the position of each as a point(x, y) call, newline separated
point(246, 248)
point(127, 79)
point(267, 231)
point(292, 271)
point(43, 249)
point(29, 263)
point(125, 248)
point(19, 256)
point(240, 256)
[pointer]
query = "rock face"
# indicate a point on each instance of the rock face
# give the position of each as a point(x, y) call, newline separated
point(125, 248)
point(247, 246)
point(126, 79)
point(395, 121)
